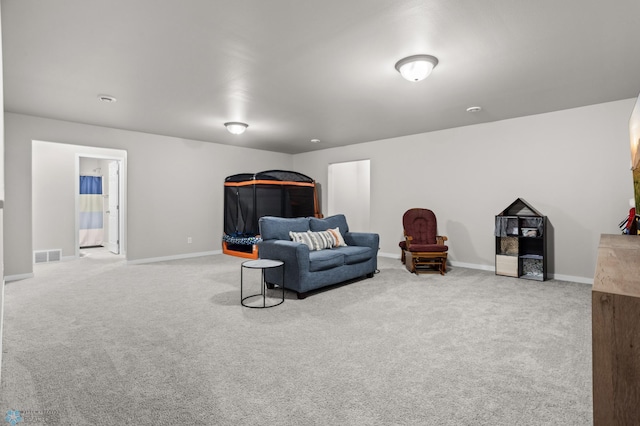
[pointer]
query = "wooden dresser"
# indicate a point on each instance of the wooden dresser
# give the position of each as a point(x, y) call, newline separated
point(616, 332)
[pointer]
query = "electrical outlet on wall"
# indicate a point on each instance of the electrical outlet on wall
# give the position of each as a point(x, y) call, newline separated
point(189, 240)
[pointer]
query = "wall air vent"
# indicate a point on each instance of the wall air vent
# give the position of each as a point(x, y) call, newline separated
point(43, 256)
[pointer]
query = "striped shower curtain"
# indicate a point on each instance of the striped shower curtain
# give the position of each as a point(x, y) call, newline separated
point(91, 216)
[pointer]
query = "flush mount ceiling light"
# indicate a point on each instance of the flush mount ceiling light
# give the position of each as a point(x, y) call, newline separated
point(315, 140)
point(236, 127)
point(107, 98)
point(417, 67)
point(474, 109)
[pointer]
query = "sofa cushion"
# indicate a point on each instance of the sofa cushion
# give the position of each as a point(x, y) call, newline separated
point(322, 260)
point(428, 247)
point(314, 240)
point(331, 222)
point(354, 254)
point(277, 228)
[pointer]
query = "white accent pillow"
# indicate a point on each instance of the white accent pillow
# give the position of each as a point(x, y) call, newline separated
point(337, 236)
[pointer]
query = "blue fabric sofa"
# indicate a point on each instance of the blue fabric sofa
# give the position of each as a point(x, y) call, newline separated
point(307, 270)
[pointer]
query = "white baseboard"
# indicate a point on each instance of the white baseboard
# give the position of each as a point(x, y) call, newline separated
point(18, 277)
point(559, 277)
point(174, 257)
point(472, 265)
point(391, 255)
point(573, 279)
point(452, 263)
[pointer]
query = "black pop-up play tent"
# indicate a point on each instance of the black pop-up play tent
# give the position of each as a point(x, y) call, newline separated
point(248, 197)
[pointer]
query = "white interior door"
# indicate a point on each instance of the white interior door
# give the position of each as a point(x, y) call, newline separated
point(113, 211)
point(349, 187)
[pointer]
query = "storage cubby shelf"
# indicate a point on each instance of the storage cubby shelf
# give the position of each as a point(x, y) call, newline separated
point(521, 242)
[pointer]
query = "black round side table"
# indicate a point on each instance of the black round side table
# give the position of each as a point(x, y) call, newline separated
point(262, 264)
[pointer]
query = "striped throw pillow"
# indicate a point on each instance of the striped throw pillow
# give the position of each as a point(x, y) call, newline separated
point(314, 240)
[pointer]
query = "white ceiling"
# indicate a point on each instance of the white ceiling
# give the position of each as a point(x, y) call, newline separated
point(295, 70)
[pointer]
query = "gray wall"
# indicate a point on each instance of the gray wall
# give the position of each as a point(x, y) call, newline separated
point(1, 199)
point(572, 165)
point(174, 186)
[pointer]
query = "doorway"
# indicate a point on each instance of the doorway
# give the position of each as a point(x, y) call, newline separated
point(349, 192)
point(55, 196)
point(98, 205)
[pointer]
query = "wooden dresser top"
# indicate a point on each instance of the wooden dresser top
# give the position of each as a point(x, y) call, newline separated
point(618, 265)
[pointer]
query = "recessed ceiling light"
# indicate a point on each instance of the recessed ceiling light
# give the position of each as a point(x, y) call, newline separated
point(315, 140)
point(107, 98)
point(474, 109)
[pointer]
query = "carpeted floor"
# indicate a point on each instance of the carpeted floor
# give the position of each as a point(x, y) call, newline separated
point(96, 342)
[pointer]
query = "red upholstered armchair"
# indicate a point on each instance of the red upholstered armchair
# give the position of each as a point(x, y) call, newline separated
point(423, 250)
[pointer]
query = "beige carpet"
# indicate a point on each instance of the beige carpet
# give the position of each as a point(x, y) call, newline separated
point(95, 342)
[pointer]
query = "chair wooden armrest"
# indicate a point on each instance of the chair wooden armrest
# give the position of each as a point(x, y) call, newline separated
point(440, 239)
point(408, 239)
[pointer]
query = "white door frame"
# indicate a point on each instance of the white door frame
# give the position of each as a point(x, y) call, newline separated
point(349, 192)
point(113, 205)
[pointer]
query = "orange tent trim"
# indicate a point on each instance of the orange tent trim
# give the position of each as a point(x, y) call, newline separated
point(269, 182)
